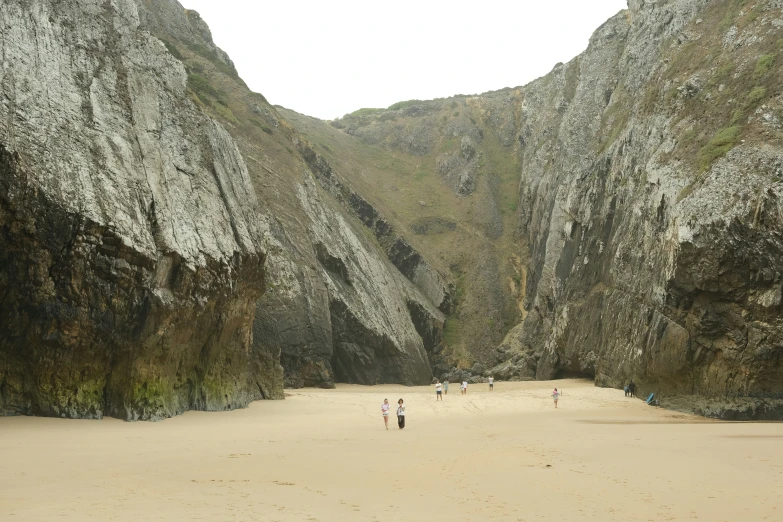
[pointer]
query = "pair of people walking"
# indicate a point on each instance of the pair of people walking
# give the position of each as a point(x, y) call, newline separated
point(385, 407)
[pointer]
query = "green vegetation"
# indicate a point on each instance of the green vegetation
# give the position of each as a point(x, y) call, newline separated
point(763, 65)
point(173, 50)
point(730, 14)
point(722, 142)
point(401, 105)
point(224, 111)
point(212, 56)
point(722, 73)
point(201, 86)
point(742, 78)
point(756, 95)
point(451, 332)
point(366, 111)
point(262, 126)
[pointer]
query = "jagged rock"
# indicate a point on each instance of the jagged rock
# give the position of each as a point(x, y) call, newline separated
point(131, 241)
point(338, 307)
point(650, 221)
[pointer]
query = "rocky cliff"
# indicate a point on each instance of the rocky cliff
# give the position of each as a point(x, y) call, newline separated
point(342, 303)
point(131, 240)
point(167, 239)
point(648, 203)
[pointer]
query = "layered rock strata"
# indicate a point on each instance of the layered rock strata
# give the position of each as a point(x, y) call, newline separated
point(131, 239)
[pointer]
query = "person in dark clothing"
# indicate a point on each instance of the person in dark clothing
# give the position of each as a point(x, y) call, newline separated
point(400, 414)
point(632, 388)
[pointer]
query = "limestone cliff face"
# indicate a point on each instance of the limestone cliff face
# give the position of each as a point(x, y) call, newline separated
point(167, 240)
point(654, 257)
point(649, 172)
point(341, 304)
point(131, 239)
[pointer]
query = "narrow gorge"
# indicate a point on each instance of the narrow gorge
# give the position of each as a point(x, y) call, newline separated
point(171, 241)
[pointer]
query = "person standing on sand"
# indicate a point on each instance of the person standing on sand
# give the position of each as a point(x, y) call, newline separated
point(464, 387)
point(632, 388)
point(400, 414)
point(491, 383)
point(555, 396)
point(385, 412)
point(445, 387)
point(438, 391)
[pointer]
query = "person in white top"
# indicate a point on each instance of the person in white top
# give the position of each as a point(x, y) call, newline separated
point(385, 412)
point(464, 387)
point(400, 414)
point(438, 391)
point(491, 383)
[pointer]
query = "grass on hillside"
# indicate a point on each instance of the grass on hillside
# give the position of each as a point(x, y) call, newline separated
point(735, 83)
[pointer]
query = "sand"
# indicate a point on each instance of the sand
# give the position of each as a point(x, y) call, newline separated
point(324, 455)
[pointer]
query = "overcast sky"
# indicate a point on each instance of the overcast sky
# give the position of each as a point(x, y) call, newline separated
point(328, 58)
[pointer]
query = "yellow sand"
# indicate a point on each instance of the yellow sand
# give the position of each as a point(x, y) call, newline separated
point(324, 455)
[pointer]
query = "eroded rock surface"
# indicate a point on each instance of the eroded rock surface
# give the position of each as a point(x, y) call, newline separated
point(649, 202)
point(131, 239)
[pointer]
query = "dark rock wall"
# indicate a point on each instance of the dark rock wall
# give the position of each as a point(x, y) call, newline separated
point(131, 241)
point(644, 266)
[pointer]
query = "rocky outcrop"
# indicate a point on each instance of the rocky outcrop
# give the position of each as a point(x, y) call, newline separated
point(336, 307)
point(648, 264)
point(131, 239)
point(649, 186)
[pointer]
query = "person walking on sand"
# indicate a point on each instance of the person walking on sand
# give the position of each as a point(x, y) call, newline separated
point(464, 387)
point(438, 391)
point(446, 387)
point(555, 396)
point(400, 414)
point(632, 388)
point(385, 412)
point(491, 383)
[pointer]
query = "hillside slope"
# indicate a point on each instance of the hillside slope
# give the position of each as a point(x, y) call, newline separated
point(167, 240)
point(645, 207)
point(337, 307)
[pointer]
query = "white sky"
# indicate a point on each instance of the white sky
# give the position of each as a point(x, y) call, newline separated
point(328, 58)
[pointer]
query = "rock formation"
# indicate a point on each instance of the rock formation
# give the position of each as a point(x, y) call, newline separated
point(649, 202)
point(341, 281)
point(131, 239)
point(168, 238)
point(160, 252)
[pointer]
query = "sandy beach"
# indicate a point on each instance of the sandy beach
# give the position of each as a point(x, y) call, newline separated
point(324, 455)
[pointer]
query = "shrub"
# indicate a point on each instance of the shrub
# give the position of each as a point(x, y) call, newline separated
point(401, 105)
point(201, 86)
point(366, 111)
point(756, 95)
point(173, 50)
point(763, 65)
point(722, 142)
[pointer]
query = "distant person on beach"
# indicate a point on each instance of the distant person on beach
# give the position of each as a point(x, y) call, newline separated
point(626, 389)
point(438, 391)
point(632, 388)
point(385, 412)
point(464, 387)
point(491, 383)
point(400, 414)
point(445, 387)
point(555, 396)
